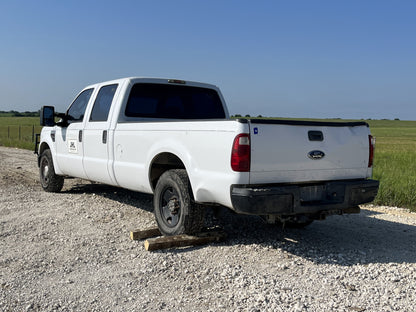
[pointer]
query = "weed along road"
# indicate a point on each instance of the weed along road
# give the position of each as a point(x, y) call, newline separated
point(71, 251)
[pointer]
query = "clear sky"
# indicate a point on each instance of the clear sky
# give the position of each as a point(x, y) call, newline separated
point(343, 59)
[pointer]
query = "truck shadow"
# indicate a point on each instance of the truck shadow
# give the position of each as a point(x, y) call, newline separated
point(345, 240)
point(123, 196)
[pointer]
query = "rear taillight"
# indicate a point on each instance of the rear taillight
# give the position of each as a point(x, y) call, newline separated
point(372, 142)
point(240, 155)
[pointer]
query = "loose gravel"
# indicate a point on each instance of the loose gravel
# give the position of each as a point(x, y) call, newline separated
point(71, 251)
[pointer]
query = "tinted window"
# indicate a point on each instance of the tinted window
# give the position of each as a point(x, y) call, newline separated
point(103, 102)
point(173, 102)
point(77, 110)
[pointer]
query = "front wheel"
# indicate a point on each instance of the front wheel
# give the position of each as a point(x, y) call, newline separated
point(174, 209)
point(50, 181)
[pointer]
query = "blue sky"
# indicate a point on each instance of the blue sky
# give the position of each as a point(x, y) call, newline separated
point(343, 59)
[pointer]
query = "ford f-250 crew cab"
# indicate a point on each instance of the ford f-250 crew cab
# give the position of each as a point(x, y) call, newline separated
point(174, 139)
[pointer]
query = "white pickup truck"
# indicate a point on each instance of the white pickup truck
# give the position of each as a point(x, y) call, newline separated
point(174, 139)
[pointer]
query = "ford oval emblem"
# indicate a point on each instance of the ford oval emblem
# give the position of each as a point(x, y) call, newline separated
point(316, 154)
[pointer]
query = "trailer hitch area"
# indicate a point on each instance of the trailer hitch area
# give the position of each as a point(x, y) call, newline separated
point(323, 214)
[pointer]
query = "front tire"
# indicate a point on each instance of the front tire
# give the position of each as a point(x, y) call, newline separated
point(174, 209)
point(50, 181)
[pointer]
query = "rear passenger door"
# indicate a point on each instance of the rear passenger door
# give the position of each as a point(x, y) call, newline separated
point(97, 136)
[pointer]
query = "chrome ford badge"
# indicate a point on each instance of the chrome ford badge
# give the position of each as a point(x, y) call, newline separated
point(316, 154)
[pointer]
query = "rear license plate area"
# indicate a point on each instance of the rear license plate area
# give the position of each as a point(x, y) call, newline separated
point(312, 193)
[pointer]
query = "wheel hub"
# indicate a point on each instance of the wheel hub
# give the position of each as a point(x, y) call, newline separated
point(45, 171)
point(173, 205)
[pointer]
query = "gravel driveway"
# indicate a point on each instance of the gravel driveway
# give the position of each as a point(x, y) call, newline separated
point(72, 252)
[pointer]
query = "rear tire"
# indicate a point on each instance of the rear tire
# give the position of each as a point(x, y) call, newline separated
point(50, 181)
point(174, 209)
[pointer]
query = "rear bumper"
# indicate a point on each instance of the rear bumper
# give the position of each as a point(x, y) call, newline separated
point(302, 199)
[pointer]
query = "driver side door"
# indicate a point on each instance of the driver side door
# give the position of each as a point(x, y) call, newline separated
point(69, 140)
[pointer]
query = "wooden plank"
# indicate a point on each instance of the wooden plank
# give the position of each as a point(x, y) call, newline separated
point(183, 240)
point(142, 234)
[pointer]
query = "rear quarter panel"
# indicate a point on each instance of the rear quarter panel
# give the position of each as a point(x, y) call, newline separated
point(204, 147)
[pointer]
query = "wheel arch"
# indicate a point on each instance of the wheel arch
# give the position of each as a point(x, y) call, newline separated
point(43, 146)
point(49, 145)
point(161, 163)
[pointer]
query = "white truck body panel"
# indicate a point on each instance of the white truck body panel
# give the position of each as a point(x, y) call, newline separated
point(204, 147)
point(286, 160)
point(69, 151)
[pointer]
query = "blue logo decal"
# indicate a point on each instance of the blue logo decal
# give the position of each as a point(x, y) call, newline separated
point(256, 130)
point(316, 154)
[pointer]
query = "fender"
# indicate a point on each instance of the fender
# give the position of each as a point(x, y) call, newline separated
point(175, 148)
point(47, 142)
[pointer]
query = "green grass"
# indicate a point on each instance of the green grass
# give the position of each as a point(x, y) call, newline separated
point(394, 162)
point(9, 131)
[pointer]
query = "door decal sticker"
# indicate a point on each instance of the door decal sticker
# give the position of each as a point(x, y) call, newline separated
point(73, 146)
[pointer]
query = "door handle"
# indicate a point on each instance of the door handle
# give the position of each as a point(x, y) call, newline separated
point(105, 137)
point(80, 136)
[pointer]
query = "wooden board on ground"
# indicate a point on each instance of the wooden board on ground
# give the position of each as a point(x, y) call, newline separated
point(183, 240)
point(142, 234)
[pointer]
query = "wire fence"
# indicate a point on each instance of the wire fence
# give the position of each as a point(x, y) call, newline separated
point(24, 133)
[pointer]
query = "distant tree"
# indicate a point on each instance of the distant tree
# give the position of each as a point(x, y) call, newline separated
point(260, 116)
point(396, 119)
point(248, 116)
point(237, 115)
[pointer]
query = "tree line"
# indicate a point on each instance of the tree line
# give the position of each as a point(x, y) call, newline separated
point(14, 113)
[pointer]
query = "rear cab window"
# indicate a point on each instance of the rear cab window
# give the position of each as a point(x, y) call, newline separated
point(152, 100)
point(103, 102)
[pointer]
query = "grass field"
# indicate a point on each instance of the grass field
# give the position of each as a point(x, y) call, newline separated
point(394, 163)
point(18, 131)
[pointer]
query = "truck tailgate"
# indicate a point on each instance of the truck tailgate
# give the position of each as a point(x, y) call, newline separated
point(286, 151)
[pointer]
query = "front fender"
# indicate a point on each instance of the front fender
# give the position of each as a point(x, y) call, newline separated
point(47, 142)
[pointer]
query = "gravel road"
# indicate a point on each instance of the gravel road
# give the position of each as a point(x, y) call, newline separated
point(72, 252)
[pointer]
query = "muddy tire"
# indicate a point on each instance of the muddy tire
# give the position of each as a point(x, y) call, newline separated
point(174, 208)
point(50, 181)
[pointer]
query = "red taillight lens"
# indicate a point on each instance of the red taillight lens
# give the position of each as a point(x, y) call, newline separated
point(240, 155)
point(372, 142)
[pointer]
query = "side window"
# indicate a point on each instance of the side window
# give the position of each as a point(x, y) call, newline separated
point(77, 110)
point(103, 102)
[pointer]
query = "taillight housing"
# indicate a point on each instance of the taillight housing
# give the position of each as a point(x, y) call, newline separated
point(372, 143)
point(240, 154)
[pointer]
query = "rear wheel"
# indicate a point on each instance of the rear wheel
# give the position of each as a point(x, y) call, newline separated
point(174, 209)
point(50, 181)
